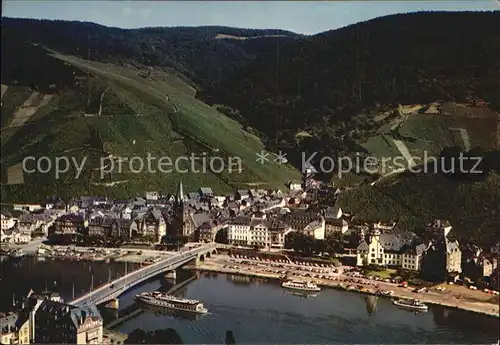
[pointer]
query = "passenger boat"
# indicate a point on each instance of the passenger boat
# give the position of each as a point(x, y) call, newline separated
point(174, 313)
point(301, 294)
point(302, 286)
point(161, 299)
point(411, 304)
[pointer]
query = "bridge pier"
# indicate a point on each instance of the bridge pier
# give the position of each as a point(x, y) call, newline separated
point(113, 304)
point(171, 275)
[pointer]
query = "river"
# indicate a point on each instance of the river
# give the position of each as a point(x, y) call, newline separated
point(259, 311)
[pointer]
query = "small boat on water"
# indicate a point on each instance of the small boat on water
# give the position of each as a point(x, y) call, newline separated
point(161, 299)
point(411, 304)
point(301, 286)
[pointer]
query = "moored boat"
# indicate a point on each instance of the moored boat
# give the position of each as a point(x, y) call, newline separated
point(301, 286)
point(411, 304)
point(161, 299)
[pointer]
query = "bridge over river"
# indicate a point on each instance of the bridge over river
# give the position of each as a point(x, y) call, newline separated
point(113, 289)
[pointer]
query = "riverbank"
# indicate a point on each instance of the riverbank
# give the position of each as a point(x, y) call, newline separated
point(74, 253)
point(446, 299)
point(114, 337)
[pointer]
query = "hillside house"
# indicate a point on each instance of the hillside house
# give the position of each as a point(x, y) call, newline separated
point(438, 229)
point(385, 226)
point(7, 220)
point(332, 212)
point(152, 195)
point(205, 192)
point(333, 226)
point(241, 194)
point(315, 229)
point(27, 207)
point(294, 185)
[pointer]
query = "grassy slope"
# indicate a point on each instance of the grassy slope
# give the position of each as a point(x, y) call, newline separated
point(134, 109)
point(426, 135)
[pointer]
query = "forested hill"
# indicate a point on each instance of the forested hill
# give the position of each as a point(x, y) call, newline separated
point(398, 59)
point(199, 52)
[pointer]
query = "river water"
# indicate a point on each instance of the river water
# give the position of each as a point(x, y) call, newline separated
point(259, 311)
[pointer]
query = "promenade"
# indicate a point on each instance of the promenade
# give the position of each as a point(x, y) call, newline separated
point(452, 296)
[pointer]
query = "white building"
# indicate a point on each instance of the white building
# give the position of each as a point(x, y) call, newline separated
point(294, 186)
point(238, 231)
point(259, 234)
point(7, 221)
point(27, 207)
point(391, 249)
point(315, 229)
point(126, 213)
point(152, 195)
point(258, 231)
point(14, 236)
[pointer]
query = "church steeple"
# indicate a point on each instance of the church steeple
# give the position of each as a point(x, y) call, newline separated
point(179, 197)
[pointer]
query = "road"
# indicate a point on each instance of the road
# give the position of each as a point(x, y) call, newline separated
point(30, 247)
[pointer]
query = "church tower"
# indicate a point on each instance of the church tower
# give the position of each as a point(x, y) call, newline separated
point(179, 196)
point(181, 214)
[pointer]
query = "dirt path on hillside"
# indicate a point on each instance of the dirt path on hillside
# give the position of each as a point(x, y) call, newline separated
point(4, 89)
point(403, 149)
point(465, 137)
point(29, 107)
point(15, 174)
point(109, 184)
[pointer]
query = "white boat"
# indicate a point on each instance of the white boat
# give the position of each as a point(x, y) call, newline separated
point(411, 304)
point(300, 285)
point(161, 299)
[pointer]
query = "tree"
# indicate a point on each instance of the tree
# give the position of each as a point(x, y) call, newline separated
point(160, 336)
point(334, 243)
point(230, 338)
point(221, 236)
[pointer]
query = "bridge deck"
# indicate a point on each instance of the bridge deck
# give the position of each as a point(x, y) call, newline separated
point(115, 288)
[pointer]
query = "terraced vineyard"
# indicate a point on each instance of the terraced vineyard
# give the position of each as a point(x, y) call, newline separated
point(112, 110)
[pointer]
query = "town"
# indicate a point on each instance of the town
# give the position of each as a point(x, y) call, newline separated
point(295, 221)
